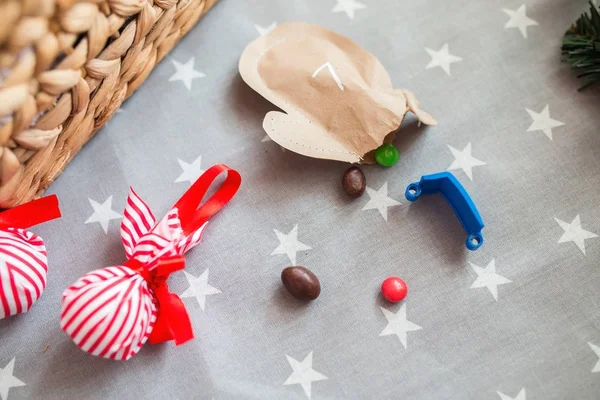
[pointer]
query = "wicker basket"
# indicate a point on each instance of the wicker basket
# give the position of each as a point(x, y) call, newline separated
point(65, 68)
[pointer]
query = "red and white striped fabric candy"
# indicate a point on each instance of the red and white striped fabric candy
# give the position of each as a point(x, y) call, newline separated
point(111, 312)
point(23, 270)
point(23, 257)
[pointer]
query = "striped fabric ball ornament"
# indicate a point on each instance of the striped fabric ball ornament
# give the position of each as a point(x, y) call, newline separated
point(23, 270)
point(109, 312)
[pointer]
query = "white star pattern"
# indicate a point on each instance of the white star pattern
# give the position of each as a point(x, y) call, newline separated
point(520, 396)
point(289, 244)
point(263, 31)
point(335, 351)
point(191, 172)
point(103, 213)
point(488, 278)
point(518, 19)
point(348, 6)
point(380, 201)
point(464, 160)
point(596, 349)
point(441, 58)
point(574, 233)
point(543, 122)
point(199, 288)
point(398, 325)
point(8, 380)
point(186, 73)
point(303, 374)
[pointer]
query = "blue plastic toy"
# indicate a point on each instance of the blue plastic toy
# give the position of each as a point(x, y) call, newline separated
point(448, 186)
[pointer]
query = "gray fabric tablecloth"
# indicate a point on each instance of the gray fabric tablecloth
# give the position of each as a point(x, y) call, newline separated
point(517, 319)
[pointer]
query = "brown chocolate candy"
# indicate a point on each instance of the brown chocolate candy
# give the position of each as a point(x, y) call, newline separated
point(301, 283)
point(354, 182)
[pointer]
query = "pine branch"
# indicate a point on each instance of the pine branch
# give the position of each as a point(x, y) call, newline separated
point(581, 46)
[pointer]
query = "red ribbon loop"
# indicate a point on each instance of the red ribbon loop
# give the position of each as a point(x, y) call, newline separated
point(193, 217)
point(29, 214)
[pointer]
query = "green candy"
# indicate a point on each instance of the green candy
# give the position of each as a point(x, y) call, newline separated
point(386, 155)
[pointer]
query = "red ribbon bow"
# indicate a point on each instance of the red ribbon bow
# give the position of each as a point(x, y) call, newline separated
point(173, 321)
point(29, 214)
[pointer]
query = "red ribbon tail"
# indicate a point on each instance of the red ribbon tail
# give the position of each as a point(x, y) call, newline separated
point(29, 214)
point(173, 321)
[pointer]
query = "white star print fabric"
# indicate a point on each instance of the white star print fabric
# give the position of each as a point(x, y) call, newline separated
point(103, 213)
point(517, 319)
point(186, 73)
point(518, 19)
point(8, 380)
point(442, 58)
point(379, 200)
point(543, 122)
